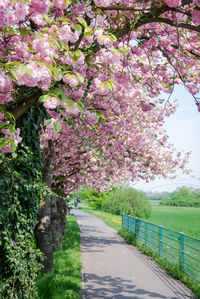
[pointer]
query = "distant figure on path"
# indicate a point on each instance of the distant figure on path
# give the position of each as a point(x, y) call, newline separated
point(76, 203)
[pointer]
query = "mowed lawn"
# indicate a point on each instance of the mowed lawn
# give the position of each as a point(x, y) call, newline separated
point(180, 219)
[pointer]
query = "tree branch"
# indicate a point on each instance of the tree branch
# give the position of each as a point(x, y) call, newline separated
point(20, 110)
point(169, 22)
point(26, 104)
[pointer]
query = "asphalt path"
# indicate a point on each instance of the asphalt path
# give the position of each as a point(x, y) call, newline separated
point(114, 269)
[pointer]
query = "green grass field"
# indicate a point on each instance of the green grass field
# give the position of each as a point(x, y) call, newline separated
point(180, 219)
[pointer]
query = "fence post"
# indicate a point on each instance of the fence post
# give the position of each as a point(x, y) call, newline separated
point(146, 233)
point(123, 220)
point(160, 240)
point(181, 250)
point(136, 226)
point(128, 222)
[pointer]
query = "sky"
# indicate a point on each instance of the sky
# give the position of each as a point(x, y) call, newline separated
point(183, 129)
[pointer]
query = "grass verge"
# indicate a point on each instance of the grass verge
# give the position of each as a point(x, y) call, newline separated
point(66, 281)
point(131, 239)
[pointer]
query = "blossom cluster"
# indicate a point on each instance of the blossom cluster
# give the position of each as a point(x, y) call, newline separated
point(5, 88)
point(36, 75)
point(15, 137)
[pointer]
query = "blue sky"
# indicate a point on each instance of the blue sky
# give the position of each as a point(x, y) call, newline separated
point(183, 129)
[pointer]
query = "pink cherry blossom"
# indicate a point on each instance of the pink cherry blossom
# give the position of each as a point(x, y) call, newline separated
point(102, 2)
point(5, 88)
point(71, 80)
point(196, 16)
point(146, 107)
point(51, 103)
point(173, 3)
point(16, 137)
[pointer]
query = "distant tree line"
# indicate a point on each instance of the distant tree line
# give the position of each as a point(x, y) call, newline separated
point(183, 197)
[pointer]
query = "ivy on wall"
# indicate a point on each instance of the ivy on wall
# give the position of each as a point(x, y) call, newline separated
point(21, 190)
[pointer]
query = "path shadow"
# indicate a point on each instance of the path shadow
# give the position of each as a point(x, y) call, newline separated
point(94, 240)
point(116, 287)
point(174, 285)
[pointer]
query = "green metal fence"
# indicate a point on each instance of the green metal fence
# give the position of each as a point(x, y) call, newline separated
point(178, 248)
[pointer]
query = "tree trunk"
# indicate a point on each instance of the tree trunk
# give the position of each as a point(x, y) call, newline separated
point(56, 227)
point(63, 207)
point(58, 221)
point(43, 231)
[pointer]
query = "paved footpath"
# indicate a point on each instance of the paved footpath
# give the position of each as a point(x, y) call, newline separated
point(114, 269)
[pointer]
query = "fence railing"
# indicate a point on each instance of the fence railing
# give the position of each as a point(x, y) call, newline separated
point(178, 248)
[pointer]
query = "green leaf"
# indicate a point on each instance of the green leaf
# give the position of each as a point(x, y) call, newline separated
point(14, 155)
point(59, 92)
point(13, 144)
point(24, 31)
point(76, 55)
point(3, 125)
point(117, 51)
point(12, 129)
point(77, 27)
point(102, 85)
point(89, 64)
point(68, 2)
point(11, 74)
point(47, 122)
point(12, 64)
point(68, 101)
point(54, 75)
point(80, 77)
point(80, 105)
point(3, 143)
point(47, 19)
point(71, 105)
point(61, 45)
point(64, 19)
point(110, 86)
point(12, 31)
point(124, 50)
point(43, 98)
point(112, 37)
point(57, 126)
point(100, 114)
point(88, 31)
point(56, 56)
point(82, 22)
